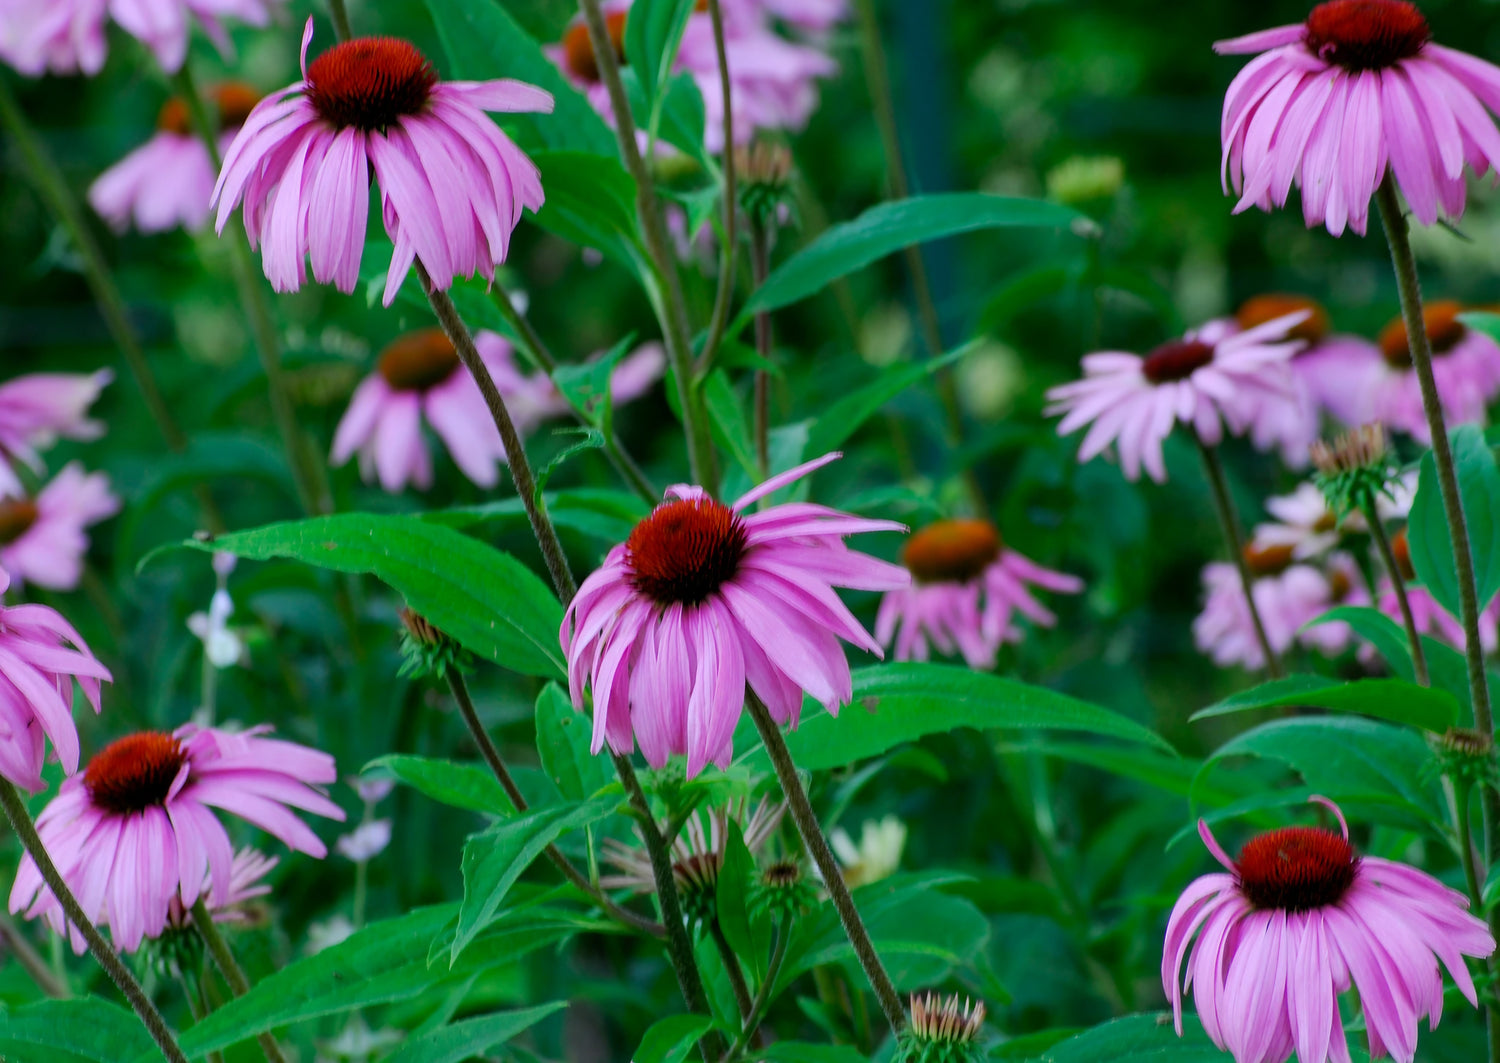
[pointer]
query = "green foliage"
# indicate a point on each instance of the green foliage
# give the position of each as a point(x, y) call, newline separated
point(459, 1041)
point(1427, 528)
point(87, 1030)
point(1388, 699)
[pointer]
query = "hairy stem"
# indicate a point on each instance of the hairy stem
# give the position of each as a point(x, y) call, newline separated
point(1398, 584)
point(30, 960)
point(1234, 538)
point(515, 453)
point(234, 976)
point(20, 821)
point(762, 996)
point(676, 331)
point(833, 877)
point(728, 258)
point(760, 266)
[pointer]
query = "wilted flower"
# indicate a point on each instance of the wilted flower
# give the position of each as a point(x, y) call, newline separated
point(134, 832)
point(1465, 368)
point(43, 540)
point(1296, 920)
point(1200, 380)
point(1331, 101)
point(452, 185)
point(967, 586)
point(38, 409)
point(706, 599)
point(878, 855)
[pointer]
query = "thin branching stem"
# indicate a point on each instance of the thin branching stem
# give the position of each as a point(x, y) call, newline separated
point(729, 257)
point(234, 975)
point(1398, 585)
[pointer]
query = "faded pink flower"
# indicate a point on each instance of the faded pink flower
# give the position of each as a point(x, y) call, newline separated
point(1300, 918)
point(134, 833)
point(1329, 103)
point(452, 185)
point(43, 540)
point(38, 409)
point(1465, 368)
point(168, 181)
point(704, 599)
point(809, 16)
point(1429, 617)
point(245, 873)
point(1304, 523)
point(1200, 380)
point(40, 657)
point(966, 587)
point(67, 36)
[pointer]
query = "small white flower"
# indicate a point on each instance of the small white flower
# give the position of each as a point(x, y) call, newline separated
point(221, 643)
point(366, 841)
point(372, 791)
point(878, 854)
point(328, 933)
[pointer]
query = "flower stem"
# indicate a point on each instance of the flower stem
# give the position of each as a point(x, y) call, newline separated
point(491, 754)
point(340, 16)
point(1398, 584)
point(17, 946)
point(229, 967)
point(1234, 538)
point(679, 945)
point(732, 968)
point(762, 995)
point(828, 866)
point(1442, 451)
point(674, 314)
point(20, 821)
point(760, 266)
point(515, 453)
point(729, 257)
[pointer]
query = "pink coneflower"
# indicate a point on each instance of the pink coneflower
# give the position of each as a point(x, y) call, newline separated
point(966, 587)
point(452, 185)
point(134, 832)
point(1333, 369)
point(1296, 921)
point(1303, 522)
point(810, 16)
point(704, 598)
point(1331, 101)
point(246, 871)
point(1465, 367)
point(168, 181)
point(43, 540)
point(67, 36)
point(1427, 615)
point(40, 656)
point(38, 409)
point(419, 377)
point(574, 54)
point(1200, 380)
point(1287, 596)
point(697, 853)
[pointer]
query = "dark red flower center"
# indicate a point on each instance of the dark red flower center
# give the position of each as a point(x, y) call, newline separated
point(235, 100)
point(1444, 330)
point(1366, 34)
point(174, 118)
point(685, 550)
point(1401, 548)
point(1264, 308)
point(369, 83)
point(1296, 869)
point(1268, 560)
point(1176, 361)
point(16, 516)
point(418, 360)
point(578, 47)
point(134, 773)
point(951, 551)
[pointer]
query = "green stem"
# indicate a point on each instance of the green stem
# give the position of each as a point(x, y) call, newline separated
point(760, 266)
point(198, 1006)
point(732, 968)
point(20, 821)
point(1234, 539)
point(763, 995)
point(229, 967)
point(728, 258)
point(677, 334)
point(340, 16)
point(1398, 584)
point(31, 960)
point(833, 877)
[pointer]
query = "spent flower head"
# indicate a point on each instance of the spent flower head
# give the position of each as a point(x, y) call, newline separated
point(942, 1030)
point(1355, 465)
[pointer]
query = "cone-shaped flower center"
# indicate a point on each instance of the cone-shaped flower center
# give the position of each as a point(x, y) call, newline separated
point(1444, 330)
point(1401, 547)
point(1264, 308)
point(1296, 869)
point(16, 516)
point(174, 118)
point(951, 551)
point(783, 874)
point(369, 83)
point(1326, 523)
point(685, 550)
point(1176, 361)
point(418, 360)
point(235, 101)
point(1366, 34)
point(578, 47)
point(135, 772)
point(1268, 560)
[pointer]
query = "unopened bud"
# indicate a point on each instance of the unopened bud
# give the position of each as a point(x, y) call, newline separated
point(428, 651)
point(783, 890)
point(942, 1030)
point(1468, 756)
point(1355, 464)
point(765, 174)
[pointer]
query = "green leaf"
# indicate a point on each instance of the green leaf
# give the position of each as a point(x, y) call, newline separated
point(88, 1030)
point(670, 1040)
point(727, 420)
point(591, 202)
point(1427, 526)
point(844, 416)
point(802, 1052)
point(888, 228)
point(1485, 322)
point(602, 514)
point(467, 786)
point(562, 740)
point(471, 1037)
point(1446, 667)
point(487, 600)
point(1388, 699)
point(495, 858)
point(652, 35)
point(1138, 1039)
point(748, 938)
point(586, 439)
point(896, 703)
point(586, 386)
point(482, 42)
